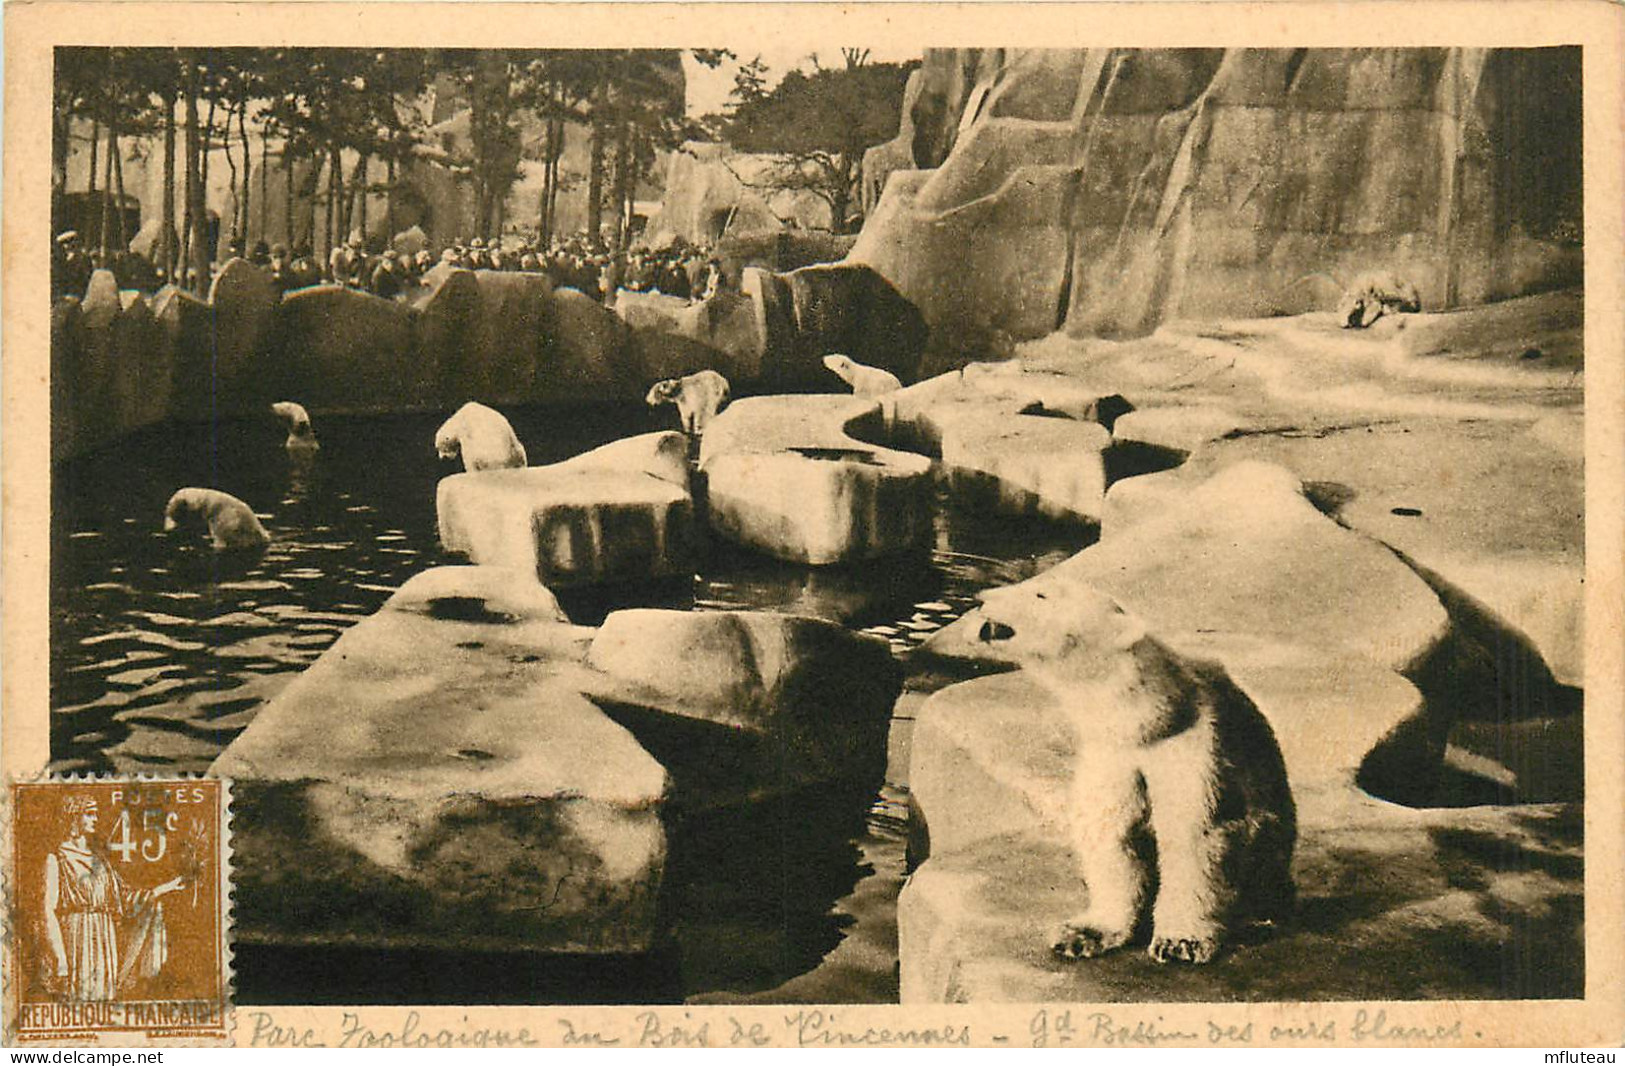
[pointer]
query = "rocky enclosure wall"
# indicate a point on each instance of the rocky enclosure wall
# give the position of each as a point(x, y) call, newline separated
point(120, 361)
point(1108, 190)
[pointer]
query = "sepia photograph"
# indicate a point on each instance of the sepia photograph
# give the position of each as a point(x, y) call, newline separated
point(866, 524)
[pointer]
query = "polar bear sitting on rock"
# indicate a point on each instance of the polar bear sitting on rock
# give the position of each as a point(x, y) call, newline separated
point(232, 523)
point(865, 380)
point(698, 398)
point(482, 437)
point(1170, 752)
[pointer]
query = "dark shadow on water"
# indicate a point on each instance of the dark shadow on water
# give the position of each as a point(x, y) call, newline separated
point(758, 857)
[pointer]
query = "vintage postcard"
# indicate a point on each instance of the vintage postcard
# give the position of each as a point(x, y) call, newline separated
point(814, 525)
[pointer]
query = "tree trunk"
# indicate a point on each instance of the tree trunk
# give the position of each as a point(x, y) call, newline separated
point(841, 195)
point(248, 169)
point(595, 180)
point(265, 186)
point(389, 196)
point(623, 175)
point(362, 180)
point(197, 226)
point(547, 177)
point(335, 194)
point(107, 191)
point(118, 177)
point(95, 151)
point(234, 189)
point(166, 245)
point(208, 137)
point(287, 197)
point(553, 196)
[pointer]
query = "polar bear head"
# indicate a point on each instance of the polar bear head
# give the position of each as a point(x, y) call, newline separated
point(664, 392)
point(1065, 630)
point(841, 366)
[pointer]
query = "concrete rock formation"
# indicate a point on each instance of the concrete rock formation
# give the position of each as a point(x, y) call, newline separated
point(468, 796)
point(620, 513)
point(788, 476)
point(818, 696)
point(1109, 190)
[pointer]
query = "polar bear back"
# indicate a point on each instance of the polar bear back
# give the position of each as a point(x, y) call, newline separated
point(865, 380)
point(482, 436)
point(232, 524)
point(698, 396)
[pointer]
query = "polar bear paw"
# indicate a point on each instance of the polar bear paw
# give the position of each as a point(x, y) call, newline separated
point(1196, 950)
point(1082, 940)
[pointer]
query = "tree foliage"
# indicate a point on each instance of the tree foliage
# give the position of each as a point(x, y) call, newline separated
point(819, 122)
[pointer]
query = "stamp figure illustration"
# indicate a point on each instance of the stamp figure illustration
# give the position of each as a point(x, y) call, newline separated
point(119, 909)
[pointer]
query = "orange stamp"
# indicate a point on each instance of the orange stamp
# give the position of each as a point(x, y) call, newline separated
point(119, 910)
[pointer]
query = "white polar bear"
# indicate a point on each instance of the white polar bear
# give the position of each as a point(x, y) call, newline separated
point(698, 398)
point(1371, 295)
point(231, 522)
point(482, 437)
point(865, 380)
point(301, 437)
point(1169, 748)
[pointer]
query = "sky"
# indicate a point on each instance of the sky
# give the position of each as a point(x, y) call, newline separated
point(709, 89)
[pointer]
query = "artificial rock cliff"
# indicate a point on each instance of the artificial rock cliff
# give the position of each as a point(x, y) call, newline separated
point(1109, 190)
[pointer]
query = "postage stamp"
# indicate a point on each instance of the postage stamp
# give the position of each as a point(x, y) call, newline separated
point(119, 910)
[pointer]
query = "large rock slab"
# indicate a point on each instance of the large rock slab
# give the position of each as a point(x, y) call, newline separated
point(787, 476)
point(850, 309)
point(505, 338)
point(1111, 190)
point(187, 326)
point(620, 513)
point(245, 301)
point(1495, 515)
point(1392, 905)
point(813, 698)
point(349, 351)
point(589, 353)
point(466, 797)
point(1245, 553)
point(1029, 464)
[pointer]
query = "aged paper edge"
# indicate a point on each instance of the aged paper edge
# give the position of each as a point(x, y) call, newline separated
point(33, 28)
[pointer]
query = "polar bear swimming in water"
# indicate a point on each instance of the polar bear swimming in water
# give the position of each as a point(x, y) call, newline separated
point(865, 380)
point(231, 522)
point(301, 437)
point(1169, 750)
point(482, 437)
point(698, 398)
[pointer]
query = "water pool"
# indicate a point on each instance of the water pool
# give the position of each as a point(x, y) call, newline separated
point(162, 652)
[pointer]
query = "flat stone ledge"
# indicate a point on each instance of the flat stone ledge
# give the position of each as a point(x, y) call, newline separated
point(787, 477)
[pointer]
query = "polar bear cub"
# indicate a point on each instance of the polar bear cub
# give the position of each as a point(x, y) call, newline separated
point(1178, 781)
point(482, 437)
point(698, 398)
point(232, 523)
point(865, 380)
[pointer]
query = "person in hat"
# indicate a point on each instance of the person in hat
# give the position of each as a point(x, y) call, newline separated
point(281, 268)
point(386, 280)
point(70, 266)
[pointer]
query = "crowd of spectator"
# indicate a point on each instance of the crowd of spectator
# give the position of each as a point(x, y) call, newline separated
point(684, 271)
